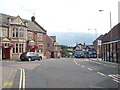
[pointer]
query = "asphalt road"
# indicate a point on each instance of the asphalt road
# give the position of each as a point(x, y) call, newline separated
point(60, 73)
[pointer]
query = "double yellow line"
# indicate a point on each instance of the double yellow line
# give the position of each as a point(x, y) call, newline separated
point(22, 79)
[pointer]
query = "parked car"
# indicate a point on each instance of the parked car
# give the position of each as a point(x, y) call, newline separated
point(30, 56)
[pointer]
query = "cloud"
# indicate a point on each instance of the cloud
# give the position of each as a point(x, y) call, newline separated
point(65, 15)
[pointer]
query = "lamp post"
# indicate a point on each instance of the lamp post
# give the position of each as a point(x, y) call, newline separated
point(110, 18)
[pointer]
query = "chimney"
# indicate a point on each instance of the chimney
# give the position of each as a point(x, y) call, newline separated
point(33, 18)
point(9, 20)
point(84, 44)
point(26, 23)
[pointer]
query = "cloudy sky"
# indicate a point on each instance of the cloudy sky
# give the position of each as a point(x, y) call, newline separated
point(65, 15)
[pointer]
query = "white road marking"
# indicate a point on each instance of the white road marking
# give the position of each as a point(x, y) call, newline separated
point(90, 69)
point(76, 62)
point(82, 66)
point(116, 80)
point(116, 77)
point(22, 79)
point(20, 83)
point(101, 73)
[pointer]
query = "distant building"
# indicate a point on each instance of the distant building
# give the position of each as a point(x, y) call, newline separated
point(83, 50)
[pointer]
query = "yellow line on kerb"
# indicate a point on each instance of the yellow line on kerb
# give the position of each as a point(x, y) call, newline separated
point(7, 83)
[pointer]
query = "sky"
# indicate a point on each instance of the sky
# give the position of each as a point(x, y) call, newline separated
point(65, 15)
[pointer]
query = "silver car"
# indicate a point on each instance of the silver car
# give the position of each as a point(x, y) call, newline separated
point(30, 56)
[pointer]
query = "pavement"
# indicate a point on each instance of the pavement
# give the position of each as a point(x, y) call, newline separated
point(105, 62)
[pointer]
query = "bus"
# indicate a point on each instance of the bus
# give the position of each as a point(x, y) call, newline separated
point(79, 54)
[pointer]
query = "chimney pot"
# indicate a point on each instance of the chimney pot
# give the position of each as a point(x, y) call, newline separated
point(32, 18)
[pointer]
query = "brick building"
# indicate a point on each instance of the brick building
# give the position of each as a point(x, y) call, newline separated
point(110, 48)
point(18, 35)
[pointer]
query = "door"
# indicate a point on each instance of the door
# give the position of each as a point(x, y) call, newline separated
point(6, 53)
point(52, 54)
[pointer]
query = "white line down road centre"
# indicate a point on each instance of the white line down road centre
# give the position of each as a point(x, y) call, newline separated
point(22, 79)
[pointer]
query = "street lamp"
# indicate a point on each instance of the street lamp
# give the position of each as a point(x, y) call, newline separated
point(110, 18)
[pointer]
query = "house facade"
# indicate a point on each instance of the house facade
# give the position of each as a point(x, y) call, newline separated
point(84, 50)
point(48, 46)
point(18, 35)
point(110, 45)
point(13, 39)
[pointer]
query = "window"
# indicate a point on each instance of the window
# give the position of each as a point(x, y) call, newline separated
point(4, 33)
point(16, 48)
point(13, 32)
point(17, 32)
point(13, 50)
point(39, 37)
point(20, 48)
point(21, 33)
point(48, 44)
point(29, 36)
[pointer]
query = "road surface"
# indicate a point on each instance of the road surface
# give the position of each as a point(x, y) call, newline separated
point(60, 73)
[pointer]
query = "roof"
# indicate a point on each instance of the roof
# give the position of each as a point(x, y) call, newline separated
point(54, 38)
point(32, 26)
point(112, 35)
point(56, 43)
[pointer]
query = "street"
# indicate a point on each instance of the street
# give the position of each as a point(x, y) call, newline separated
point(60, 73)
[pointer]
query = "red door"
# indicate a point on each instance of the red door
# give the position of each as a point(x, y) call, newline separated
point(32, 50)
point(7, 53)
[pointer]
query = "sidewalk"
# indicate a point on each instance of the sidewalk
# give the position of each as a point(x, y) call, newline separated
point(105, 62)
point(9, 60)
point(7, 74)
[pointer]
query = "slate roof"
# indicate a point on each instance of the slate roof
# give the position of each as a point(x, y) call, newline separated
point(32, 26)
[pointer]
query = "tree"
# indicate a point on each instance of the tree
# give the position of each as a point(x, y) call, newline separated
point(65, 52)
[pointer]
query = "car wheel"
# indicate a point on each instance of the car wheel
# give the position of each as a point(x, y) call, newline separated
point(39, 58)
point(22, 60)
point(29, 59)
